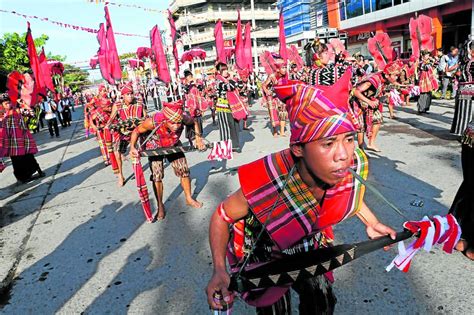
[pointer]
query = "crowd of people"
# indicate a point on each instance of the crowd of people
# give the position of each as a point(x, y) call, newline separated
point(333, 106)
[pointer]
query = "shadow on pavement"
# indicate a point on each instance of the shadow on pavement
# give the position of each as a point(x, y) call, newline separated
point(49, 283)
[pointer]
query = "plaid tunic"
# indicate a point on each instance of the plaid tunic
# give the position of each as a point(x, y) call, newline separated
point(297, 223)
point(15, 138)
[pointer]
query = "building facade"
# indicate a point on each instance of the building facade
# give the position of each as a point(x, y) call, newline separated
point(362, 18)
point(195, 21)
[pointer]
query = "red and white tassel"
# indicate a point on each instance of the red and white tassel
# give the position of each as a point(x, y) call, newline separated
point(221, 150)
point(439, 230)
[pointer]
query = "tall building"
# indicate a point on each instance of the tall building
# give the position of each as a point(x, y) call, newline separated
point(303, 19)
point(362, 18)
point(195, 20)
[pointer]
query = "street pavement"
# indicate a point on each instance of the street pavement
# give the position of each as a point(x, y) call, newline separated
point(73, 242)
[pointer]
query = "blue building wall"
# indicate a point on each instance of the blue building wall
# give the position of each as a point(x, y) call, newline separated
point(296, 16)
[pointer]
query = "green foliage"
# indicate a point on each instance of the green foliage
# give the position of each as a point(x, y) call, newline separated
point(75, 77)
point(125, 56)
point(14, 54)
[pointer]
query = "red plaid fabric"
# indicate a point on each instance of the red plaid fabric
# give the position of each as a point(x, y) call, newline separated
point(142, 188)
point(428, 80)
point(167, 134)
point(15, 138)
point(297, 213)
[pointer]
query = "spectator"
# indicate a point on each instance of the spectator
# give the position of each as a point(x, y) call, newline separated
point(49, 107)
point(65, 105)
point(452, 64)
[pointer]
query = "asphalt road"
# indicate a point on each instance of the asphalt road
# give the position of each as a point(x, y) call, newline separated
point(73, 242)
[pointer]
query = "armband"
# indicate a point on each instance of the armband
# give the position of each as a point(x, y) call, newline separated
point(223, 215)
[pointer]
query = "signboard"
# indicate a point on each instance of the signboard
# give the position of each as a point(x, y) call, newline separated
point(319, 18)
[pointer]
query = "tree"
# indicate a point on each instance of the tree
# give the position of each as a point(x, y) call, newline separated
point(14, 54)
point(75, 77)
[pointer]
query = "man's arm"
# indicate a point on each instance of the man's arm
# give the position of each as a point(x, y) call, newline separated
point(236, 208)
point(112, 115)
point(358, 92)
point(374, 227)
point(146, 125)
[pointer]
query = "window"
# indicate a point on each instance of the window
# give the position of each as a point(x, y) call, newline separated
point(354, 8)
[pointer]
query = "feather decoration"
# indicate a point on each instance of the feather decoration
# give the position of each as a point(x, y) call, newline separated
point(14, 86)
point(267, 61)
point(295, 57)
point(380, 47)
point(27, 89)
point(421, 30)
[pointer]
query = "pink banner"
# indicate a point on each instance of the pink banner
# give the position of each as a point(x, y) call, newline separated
point(45, 70)
point(248, 47)
point(112, 54)
point(239, 45)
point(282, 38)
point(102, 54)
point(173, 40)
point(160, 57)
point(219, 36)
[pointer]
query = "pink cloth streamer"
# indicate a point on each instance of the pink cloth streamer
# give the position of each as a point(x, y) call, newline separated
point(438, 230)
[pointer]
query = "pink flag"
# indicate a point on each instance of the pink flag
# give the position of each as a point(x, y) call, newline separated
point(93, 62)
point(102, 54)
point(143, 52)
point(173, 40)
point(45, 70)
point(239, 45)
point(282, 38)
point(40, 85)
point(219, 36)
point(248, 48)
point(160, 57)
point(112, 54)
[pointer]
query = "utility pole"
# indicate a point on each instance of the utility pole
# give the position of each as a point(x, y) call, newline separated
point(254, 28)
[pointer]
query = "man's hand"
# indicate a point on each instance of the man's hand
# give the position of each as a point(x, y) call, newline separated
point(219, 283)
point(200, 144)
point(134, 153)
point(378, 230)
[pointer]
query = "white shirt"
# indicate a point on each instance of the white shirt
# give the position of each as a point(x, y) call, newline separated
point(46, 107)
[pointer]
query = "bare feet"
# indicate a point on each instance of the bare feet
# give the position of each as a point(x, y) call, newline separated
point(160, 216)
point(275, 135)
point(121, 181)
point(282, 134)
point(373, 148)
point(461, 245)
point(194, 203)
point(470, 253)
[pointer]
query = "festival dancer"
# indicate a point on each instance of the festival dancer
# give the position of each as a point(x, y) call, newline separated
point(228, 126)
point(463, 108)
point(194, 101)
point(16, 140)
point(126, 110)
point(428, 81)
point(295, 196)
point(244, 92)
point(366, 98)
point(167, 126)
point(276, 109)
point(99, 114)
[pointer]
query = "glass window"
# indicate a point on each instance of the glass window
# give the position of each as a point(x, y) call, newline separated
point(367, 6)
point(383, 4)
point(354, 8)
point(342, 11)
point(395, 2)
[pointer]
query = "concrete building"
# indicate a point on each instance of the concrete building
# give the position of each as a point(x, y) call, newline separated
point(360, 18)
point(195, 20)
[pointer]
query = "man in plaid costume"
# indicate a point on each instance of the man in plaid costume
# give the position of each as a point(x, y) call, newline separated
point(296, 195)
point(16, 141)
point(167, 127)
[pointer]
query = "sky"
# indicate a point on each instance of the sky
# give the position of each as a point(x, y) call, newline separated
point(79, 45)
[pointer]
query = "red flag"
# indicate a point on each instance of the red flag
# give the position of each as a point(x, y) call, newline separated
point(248, 47)
point(45, 70)
point(40, 85)
point(219, 36)
point(282, 38)
point(112, 54)
point(173, 40)
point(102, 54)
point(160, 57)
point(239, 45)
